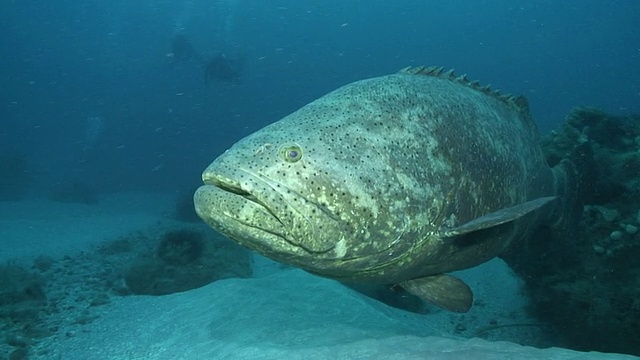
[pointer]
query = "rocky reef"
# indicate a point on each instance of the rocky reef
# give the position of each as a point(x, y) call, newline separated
point(185, 259)
point(54, 298)
point(585, 282)
point(22, 300)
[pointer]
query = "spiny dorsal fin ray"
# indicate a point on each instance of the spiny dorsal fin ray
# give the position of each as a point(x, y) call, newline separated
point(520, 102)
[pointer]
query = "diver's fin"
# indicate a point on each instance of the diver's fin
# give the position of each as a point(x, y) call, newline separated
point(498, 217)
point(443, 290)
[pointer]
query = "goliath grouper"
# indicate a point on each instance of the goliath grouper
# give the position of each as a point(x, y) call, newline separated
point(397, 179)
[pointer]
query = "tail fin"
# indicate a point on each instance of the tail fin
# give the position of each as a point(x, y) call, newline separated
point(575, 183)
point(545, 249)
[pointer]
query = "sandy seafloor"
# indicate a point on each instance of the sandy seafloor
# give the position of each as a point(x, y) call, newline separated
point(280, 313)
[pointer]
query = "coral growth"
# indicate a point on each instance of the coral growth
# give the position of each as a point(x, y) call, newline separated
point(22, 300)
point(585, 283)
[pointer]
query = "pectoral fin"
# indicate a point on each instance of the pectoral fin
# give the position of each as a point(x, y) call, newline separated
point(498, 217)
point(442, 290)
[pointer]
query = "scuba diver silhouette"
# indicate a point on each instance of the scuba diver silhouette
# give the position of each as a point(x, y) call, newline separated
point(219, 67)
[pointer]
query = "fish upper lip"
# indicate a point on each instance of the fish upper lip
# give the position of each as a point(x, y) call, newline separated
point(226, 185)
point(231, 186)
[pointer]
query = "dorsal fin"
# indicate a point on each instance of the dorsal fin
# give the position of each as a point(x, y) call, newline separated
point(519, 102)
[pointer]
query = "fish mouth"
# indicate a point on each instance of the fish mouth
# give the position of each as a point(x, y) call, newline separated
point(234, 188)
point(263, 229)
point(222, 201)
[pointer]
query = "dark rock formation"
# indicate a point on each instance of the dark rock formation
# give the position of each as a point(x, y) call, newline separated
point(186, 259)
point(584, 282)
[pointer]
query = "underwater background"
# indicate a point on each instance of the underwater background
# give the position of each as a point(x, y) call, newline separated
point(111, 110)
point(64, 63)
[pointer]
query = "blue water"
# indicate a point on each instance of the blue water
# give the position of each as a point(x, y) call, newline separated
point(94, 103)
point(63, 62)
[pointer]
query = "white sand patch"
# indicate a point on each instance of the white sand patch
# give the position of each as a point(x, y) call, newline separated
point(289, 315)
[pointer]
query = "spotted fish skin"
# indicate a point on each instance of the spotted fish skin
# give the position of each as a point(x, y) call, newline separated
point(376, 180)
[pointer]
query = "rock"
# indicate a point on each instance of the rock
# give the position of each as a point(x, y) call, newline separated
point(19, 289)
point(616, 235)
point(186, 259)
point(630, 229)
point(19, 354)
point(598, 249)
point(607, 214)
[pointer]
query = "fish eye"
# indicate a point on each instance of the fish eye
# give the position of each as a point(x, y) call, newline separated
point(291, 152)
